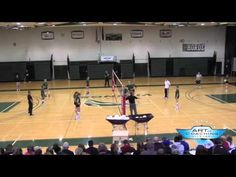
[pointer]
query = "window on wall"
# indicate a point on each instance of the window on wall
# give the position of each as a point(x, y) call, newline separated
point(113, 37)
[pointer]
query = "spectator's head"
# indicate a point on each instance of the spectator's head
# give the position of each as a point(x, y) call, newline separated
point(90, 143)
point(126, 142)
point(30, 148)
point(156, 139)
point(65, 145)
point(176, 139)
point(114, 149)
point(56, 148)
point(2, 151)
point(180, 137)
point(166, 142)
point(37, 150)
point(201, 150)
point(49, 151)
point(81, 146)
point(102, 148)
point(9, 149)
point(17, 151)
point(78, 151)
point(218, 141)
point(150, 146)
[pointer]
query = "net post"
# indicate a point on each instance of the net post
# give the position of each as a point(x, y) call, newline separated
point(123, 101)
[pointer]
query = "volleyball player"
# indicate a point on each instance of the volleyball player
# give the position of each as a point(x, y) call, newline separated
point(30, 103)
point(77, 105)
point(226, 81)
point(46, 89)
point(177, 97)
point(107, 75)
point(198, 79)
point(26, 78)
point(87, 85)
point(42, 93)
point(17, 78)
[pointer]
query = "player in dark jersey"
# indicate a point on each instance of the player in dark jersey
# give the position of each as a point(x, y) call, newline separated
point(177, 97)
point(107, 75)
point(30, 102)
point(132, 104)
point(87, 85)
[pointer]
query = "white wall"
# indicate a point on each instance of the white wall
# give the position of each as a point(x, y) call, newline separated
point(30, 45)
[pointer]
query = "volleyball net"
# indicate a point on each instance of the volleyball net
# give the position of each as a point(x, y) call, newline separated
point(118, 90)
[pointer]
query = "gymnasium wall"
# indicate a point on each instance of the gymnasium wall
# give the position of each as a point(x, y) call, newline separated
point(25, 44)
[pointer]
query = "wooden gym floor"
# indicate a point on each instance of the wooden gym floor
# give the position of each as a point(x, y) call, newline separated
point(55, 119)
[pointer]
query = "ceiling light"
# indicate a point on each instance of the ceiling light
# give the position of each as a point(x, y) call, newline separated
point(202, 24)
point(18, 23)
point(114, 23)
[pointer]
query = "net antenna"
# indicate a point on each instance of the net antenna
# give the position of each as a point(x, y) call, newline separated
point(118, 85)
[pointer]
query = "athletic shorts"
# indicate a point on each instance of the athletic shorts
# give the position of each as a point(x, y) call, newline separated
point(198, 82)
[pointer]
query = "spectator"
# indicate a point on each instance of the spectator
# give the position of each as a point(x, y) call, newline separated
point(166, 143)
point(102, 149)
point(91, 149)
point(56, 148)
point(30, 150)
point(177, 147)
point(126, 148)
point(184, 143)
point(225, 143)
point(2, 151)
point(65, 149)
point(157, 143)
point(114, 149)
point(140, 148)
point(17, 151)
point(201, 150)
point(150, 149)
point(9, 149)
point(37, 150)
point(218, 148)
point(49, 151)
point(230, 141)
